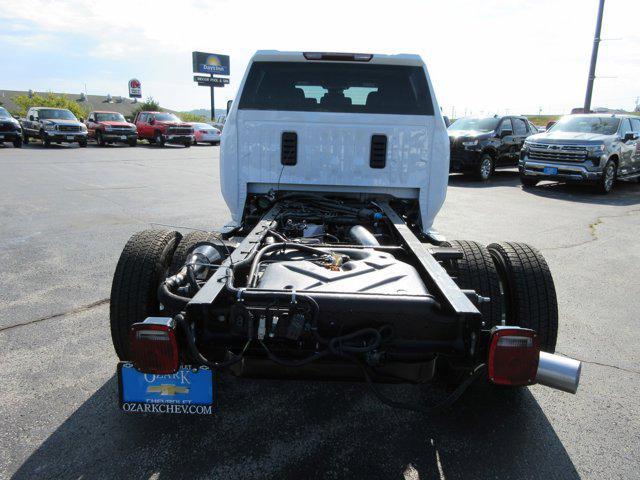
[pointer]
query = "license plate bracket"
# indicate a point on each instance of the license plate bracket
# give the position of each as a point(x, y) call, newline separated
point(189, 391)
point(550, 171)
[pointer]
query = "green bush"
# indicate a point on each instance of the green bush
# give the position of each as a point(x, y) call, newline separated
point(191, 117)
point(25, 102)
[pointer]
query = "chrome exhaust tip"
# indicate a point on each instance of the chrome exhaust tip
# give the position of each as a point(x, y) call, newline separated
point(561, 373)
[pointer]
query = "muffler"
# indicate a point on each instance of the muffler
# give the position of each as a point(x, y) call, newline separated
point(559, 372)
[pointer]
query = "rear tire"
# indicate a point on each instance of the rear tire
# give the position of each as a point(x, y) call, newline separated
point(143, 265)
point(529, 291)
point(477, 271)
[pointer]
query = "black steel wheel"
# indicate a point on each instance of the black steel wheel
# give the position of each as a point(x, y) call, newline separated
point(477, 271)
point(143, 265)
point(529, 291)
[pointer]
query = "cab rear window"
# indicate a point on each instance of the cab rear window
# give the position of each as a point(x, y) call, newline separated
point(337, 87)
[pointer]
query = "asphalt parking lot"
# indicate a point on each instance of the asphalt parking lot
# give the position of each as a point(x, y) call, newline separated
point(65, 214)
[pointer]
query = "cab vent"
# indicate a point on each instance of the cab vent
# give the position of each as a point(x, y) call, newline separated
point(289, 148)
point(378, 157)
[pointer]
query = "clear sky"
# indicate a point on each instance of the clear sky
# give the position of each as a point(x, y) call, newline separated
point(484, 56)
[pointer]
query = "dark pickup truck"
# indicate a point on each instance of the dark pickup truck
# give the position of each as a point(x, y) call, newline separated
point(480, 144)
point(53, 125)
point(594, 149)
point(10, 130)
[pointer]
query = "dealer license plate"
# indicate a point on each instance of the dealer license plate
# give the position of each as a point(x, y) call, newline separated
point(550, 171)
point(70, 137)
point(123, 137)
point(189, 391)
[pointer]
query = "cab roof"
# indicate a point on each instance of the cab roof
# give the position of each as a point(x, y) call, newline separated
point(336, 57)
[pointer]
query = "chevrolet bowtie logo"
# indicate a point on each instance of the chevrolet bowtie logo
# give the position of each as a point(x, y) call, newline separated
point(165, 389)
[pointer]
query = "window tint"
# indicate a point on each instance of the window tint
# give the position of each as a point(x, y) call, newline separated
point(533, 128)
point(478, 124)
point(635, 125)
point(520, 127)
point(55, 114)
point(625, 127)
point(336, 87)
point(587, 124)
point(109, 117)
point(506, 125)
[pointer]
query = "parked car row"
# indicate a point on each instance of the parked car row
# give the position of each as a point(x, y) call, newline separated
point(59, 125)
point(595, 149)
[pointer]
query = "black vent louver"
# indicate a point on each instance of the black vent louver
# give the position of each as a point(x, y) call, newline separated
point(289, 148)
point(378, 157)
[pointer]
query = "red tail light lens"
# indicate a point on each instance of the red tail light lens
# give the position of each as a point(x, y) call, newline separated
point(154, 348)
point(514, 354)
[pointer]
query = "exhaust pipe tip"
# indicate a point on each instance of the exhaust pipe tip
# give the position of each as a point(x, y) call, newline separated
point(561, 373)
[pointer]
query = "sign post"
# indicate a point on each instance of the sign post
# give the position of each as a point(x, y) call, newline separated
point(211, 64)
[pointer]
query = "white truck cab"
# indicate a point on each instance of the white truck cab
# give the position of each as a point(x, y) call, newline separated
point(361, 124)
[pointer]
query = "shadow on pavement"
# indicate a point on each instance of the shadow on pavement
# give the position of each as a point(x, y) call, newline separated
point(625, 193)
point(266, 429)
point(500, 178)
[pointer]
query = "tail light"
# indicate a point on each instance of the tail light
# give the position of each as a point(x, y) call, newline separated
point(514, 354)
point(154, 348)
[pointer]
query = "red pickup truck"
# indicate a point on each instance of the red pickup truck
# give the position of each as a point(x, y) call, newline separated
point(162, 127)
point(110, 127)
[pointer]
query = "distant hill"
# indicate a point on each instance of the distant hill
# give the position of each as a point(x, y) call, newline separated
point(206, 112)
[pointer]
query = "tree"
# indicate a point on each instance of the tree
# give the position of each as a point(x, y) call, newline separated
point(25, 102)
point(149, 105)
point(191, 117)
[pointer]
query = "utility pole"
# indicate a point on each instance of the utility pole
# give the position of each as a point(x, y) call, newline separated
point(594, 58)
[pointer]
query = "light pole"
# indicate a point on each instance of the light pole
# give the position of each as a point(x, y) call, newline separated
point(594, 58)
